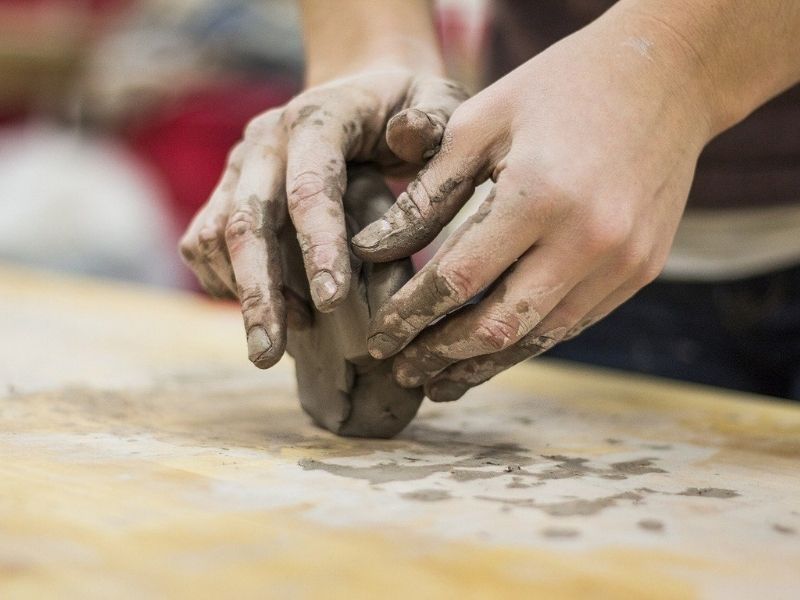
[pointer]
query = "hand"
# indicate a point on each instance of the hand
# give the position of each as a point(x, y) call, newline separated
point(592, 147)
point(292, 160)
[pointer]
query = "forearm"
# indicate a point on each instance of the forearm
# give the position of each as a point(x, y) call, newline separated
point(348, 36)
point(740, 52)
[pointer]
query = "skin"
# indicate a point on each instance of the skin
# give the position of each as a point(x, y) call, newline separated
point(292, 161)
point(592, 149)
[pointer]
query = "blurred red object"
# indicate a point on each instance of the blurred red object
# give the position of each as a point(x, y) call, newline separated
point(187, 143)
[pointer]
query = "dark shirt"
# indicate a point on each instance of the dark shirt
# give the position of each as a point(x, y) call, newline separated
point(756, 163)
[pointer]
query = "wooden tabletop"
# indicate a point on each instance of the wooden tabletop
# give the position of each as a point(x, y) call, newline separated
point(141, 455)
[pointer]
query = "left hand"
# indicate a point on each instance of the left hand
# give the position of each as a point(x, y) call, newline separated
point(592, 146)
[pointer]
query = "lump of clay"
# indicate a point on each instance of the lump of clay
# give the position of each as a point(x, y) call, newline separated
point(340, 385)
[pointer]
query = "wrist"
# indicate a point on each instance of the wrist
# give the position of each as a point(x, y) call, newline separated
point(350, 36)
point(383, 56)
point(732, 55)
point(672, 67)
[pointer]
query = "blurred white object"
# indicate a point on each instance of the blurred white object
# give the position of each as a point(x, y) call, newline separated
point(84, 205)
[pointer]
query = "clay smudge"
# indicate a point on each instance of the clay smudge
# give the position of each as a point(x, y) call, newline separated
point(709, 492)
point(658, 446)
point(375, 474)
point(569, 508)
point(468, 468)
point(304, 114)
point(653, 525)
point(640, 466)
point(517, 483)
point(427, 495)
point(784, 529)
point(472, 474)
point(575, 467)
point(560, 533)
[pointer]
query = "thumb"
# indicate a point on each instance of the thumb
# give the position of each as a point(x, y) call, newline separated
point(415, 133)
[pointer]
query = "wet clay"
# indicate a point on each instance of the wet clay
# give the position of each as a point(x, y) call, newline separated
point(339, 384)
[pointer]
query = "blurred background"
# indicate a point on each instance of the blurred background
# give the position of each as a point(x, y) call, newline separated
point(116, 117)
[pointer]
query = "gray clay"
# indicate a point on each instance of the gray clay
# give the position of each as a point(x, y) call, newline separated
point(340, 385)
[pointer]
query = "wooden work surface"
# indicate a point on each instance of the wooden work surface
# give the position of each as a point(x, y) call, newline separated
point(141, 455)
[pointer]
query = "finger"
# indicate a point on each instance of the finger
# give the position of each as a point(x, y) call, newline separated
point(559, 325)
point(315, 181)
point(250, 236)
point(210, 283)
point(415, 133)
point(456, 274)
point(532, 288)
point(203, 245)
point(454, 382)
point(190, 252)
point(429, 203)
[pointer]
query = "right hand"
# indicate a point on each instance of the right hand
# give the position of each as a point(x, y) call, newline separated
point(293, 160)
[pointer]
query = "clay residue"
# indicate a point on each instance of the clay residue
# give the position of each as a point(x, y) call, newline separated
point(709, 492)
point(569, 508)
point(784, 529)
point(517, 483)
point(375, 474)
point(569, 467)
point(560, 532)
point(487, 462)
point(651, 525)
point(430, 495)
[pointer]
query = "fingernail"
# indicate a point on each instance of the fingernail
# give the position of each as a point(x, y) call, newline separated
point(446, 390)
point(372, 234)
point(323, 288)
point(381, 345)
point(258, 344)
point(407, 375)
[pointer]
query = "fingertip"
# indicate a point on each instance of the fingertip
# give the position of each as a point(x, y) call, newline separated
point(414, 135)
point(445, 390)
point(328, 291)
point(261, 350)
point(406, 374)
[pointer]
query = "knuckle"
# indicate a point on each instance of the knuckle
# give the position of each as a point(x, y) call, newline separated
point(415, 202)
point(455, 281)
point(310, 104)
point(601, 236)
point(243, 221)
point(188, 248)
point(632, 257)
point(261, 125)
point(208, 239)
point(250, 298)
point(497, 332)
point(306, 190)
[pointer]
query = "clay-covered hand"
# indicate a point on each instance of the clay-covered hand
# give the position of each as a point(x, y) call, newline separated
point(592, 147)
point(292, 161)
